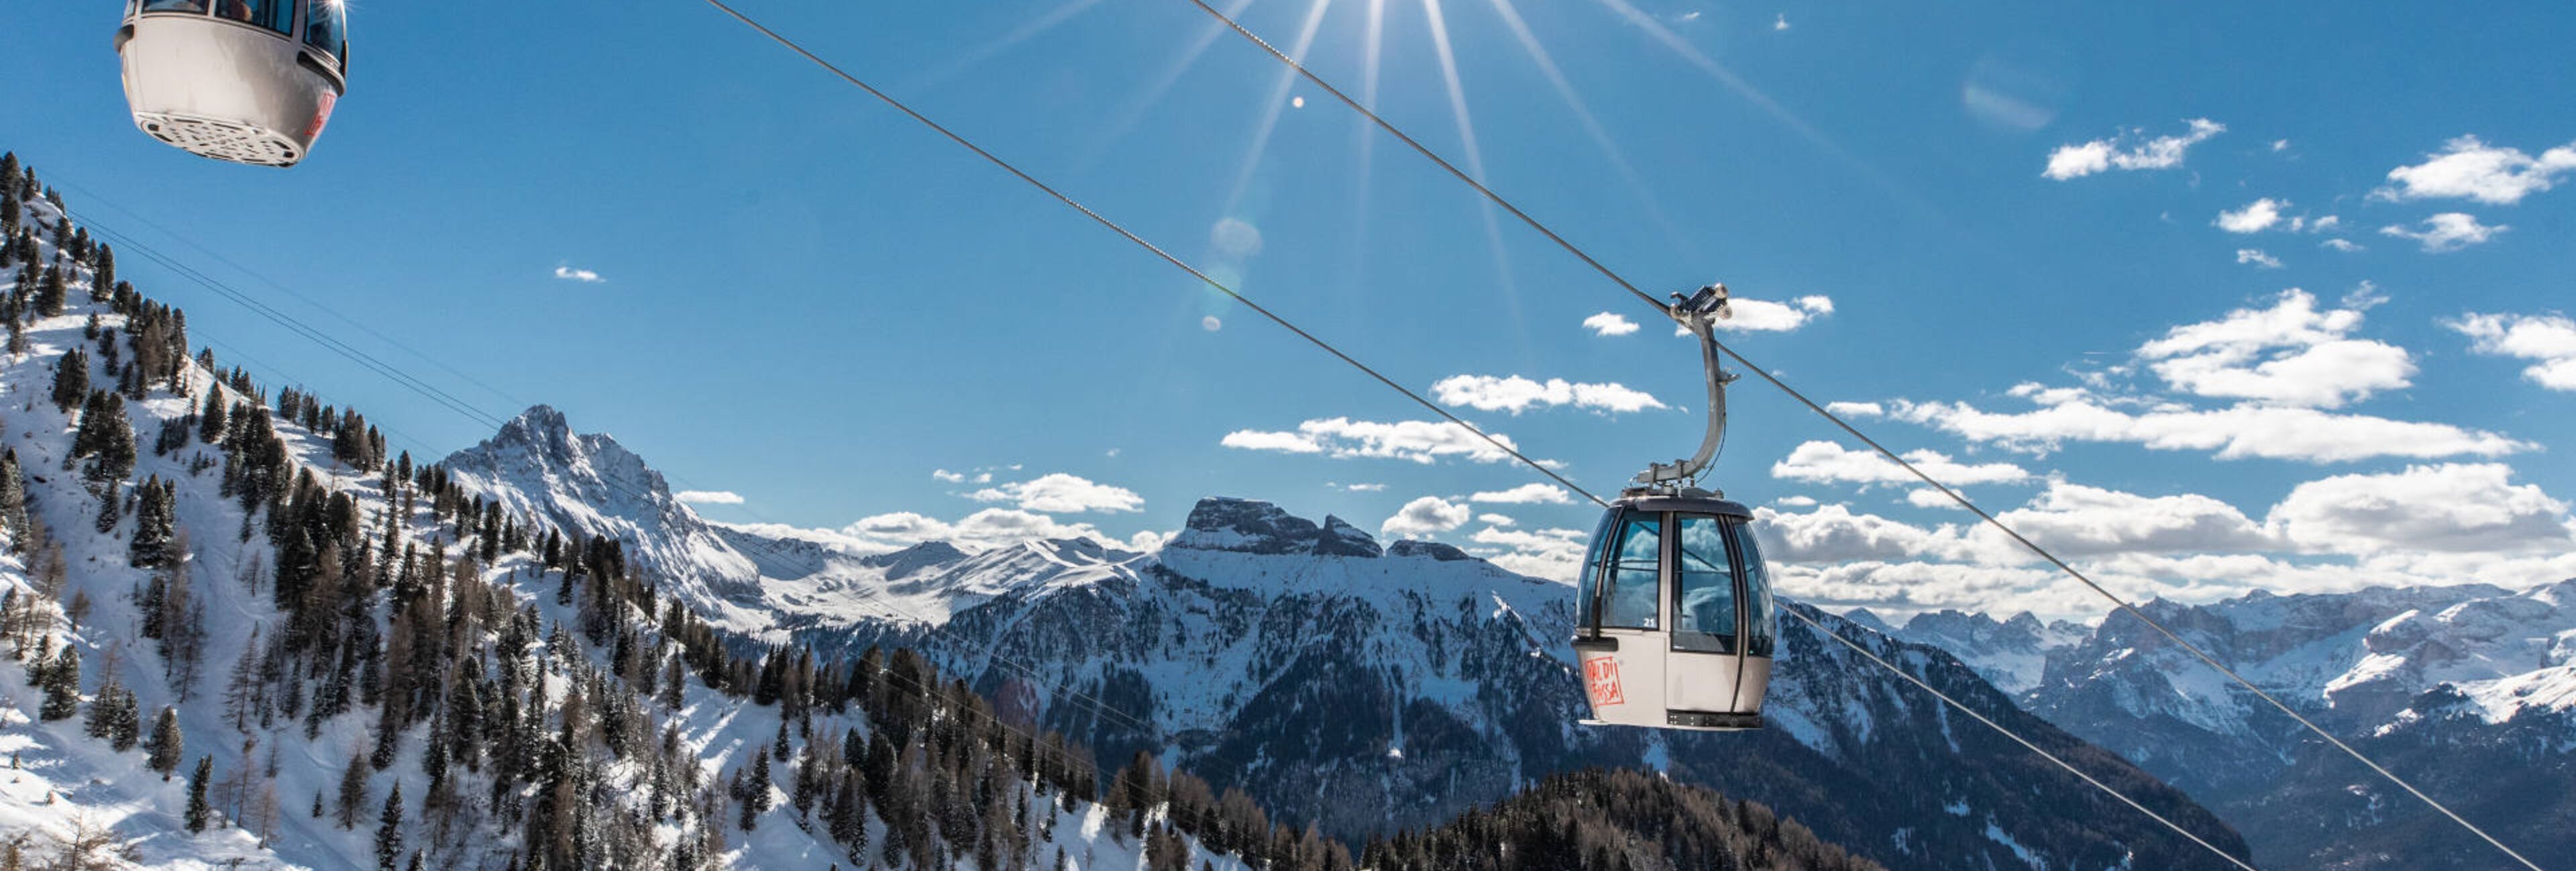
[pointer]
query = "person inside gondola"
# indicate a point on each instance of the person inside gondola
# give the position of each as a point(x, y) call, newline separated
point(233, 10)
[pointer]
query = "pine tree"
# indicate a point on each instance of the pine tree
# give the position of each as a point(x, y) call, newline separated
point(99, 722)
point(755, 792)
point(211, 420)
point(199, 813)
point(353, 792)
point(112, 716)
point(242, 692)
point(111, 507)
point(155, 517)
point(129, 721)
point(71, 380)
point(13, 502)
point(389, 838)
point(62, 686)
point(163, 752)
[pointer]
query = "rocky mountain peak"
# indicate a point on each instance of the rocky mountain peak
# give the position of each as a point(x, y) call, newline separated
point(1253, 526)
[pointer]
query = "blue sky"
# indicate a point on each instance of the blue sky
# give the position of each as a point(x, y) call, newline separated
point(805, 300)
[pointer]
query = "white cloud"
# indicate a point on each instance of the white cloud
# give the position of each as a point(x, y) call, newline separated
point(2280, 145)
point(1765, 316)
point(2550, 340)
point(1827, 461)
point(1366, 488)
point(1149, 541)
point(2344, 245)
point(1832, 533)
point(2074, 520)
point(1796, 501)
point(1517, 394)
point(1609, 324)
point(2288, 354)
point(1547, 554)
point(2255, 217)
point(2453, 507)
point(1429, 515)
point(1526, 494)
point(1779, 21)
point(2448, 231)
point(2327, 224)
point(1211, 323)
point(2242, 432)
point(1283, 442)
point(1059, 493)
point(2427, 525)
point(1926, 497)
point(1421, 441)
point(948, 476)
point(1856, 409)
point(2162, 152)
point(990, 527)
point(2471, 169)
point(708, 497)
point(2258, 258)
point(584, 276)
point(1495, 519)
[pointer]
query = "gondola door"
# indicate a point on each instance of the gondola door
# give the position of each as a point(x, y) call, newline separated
point(1624, 606)
point(1706, 659)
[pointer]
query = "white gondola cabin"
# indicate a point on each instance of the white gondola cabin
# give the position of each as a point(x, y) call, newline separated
point(249, 81)
point(1674, 623)
point(1674, 615)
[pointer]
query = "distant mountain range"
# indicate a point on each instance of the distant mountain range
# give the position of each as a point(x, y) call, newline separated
point(1361, 686)
point(2466, 691)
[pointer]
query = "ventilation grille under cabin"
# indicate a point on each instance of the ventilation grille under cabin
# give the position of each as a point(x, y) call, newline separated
point(221, 140)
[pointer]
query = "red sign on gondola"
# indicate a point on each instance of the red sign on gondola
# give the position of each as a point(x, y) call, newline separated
point(1601, 680)
point(322, 114)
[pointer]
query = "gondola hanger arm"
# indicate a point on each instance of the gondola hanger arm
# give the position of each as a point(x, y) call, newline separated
point(1699, 314)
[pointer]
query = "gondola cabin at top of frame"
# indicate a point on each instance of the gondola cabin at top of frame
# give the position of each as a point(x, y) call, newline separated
point(249, 81)
point(1674, 622)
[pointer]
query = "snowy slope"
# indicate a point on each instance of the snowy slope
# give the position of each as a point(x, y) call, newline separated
point(60, 781)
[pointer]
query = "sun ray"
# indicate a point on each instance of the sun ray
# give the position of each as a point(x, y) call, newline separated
point(1271, 108)
point(1475, 156)
point(979, 54)
point(1135, 111)
point(1366, 136)
point(1582, 113)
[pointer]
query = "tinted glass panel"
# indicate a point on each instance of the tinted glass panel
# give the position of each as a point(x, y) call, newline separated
point(173, 6)
point(1759, 614)
point(1588, 585)
point(1634, 581)
point(272, 14)
point(1704, 621)
point(277, 15)
point(322, 22)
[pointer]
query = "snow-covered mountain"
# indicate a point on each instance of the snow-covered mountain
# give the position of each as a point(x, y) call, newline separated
point(238, 638)
point(2011, 653)
point(1366, 686)
point(2469, 691)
